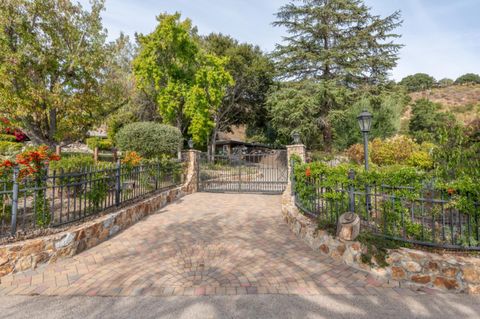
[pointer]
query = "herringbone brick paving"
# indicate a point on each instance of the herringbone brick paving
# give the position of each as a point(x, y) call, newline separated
point(203, 244)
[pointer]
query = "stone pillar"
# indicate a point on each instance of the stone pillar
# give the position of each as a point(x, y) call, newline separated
point(192, 158)
point(300, 151)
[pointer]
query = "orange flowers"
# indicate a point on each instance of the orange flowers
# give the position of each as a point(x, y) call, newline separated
point(450, 191)
point(308, 172)
point(132, 159)
point(32, 161)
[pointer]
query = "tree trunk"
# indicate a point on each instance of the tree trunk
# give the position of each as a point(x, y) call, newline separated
point(327, 137)
point(212, 142)
point(52, 129)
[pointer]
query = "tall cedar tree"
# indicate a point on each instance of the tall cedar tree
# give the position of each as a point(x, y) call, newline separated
point(336, 40)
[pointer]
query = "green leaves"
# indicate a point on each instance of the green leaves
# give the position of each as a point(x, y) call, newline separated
point(336, 40)
point(206, 96)
point(149, 139)
point(167, 62)
point(52, 57)
point(418, 82)
point(303, 107)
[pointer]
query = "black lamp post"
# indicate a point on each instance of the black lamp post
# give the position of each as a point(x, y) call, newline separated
point(296, 137)
point(190, 143)
point(365, 123)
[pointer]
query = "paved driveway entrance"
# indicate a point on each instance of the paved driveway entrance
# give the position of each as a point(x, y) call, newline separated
point(213, 244)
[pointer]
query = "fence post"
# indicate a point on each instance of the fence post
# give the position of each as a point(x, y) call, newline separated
point(95, 154)
point(292, 177)
point(118, 186)
point(351, 190)
point(14, 200)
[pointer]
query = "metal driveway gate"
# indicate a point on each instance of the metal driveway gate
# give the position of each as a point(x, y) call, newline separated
point(259, 172)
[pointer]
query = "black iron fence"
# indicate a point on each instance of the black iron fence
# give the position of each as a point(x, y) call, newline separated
point(60, 197)
point(425, 217)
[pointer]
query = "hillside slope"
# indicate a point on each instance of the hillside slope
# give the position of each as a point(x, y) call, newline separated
point(461, 100)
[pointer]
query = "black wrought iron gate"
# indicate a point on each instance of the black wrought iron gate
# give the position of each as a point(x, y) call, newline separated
point(259, 172)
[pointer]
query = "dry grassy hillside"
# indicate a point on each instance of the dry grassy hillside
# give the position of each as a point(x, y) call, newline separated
point(462, 100)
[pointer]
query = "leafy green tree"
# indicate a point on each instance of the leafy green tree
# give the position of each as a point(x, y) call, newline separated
point(252, 71)
point(386, 106)
point(418, 82)
point(205, 99)
point(166, 64)
point(52, 65)
point(427, 121)
point(300, 106)
point(468, 78)
point(336, 40)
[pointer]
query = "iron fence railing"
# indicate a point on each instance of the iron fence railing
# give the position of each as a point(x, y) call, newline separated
point(425, 217)
point(61, 197)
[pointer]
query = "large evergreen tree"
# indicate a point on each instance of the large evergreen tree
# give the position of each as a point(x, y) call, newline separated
point(336, 40)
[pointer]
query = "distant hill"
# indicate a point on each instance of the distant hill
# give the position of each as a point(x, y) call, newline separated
point(461, 100)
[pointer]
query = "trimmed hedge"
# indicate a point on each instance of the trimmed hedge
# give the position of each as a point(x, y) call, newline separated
point(149, 139)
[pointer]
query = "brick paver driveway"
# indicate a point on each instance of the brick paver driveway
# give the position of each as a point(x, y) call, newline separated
point(202, 244)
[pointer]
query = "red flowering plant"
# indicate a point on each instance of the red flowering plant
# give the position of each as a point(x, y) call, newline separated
point(34, 162)
point(33, 167)
point(7, 128)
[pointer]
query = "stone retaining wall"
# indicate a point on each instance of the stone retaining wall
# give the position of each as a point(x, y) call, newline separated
point(406, 267)
point(27, 254)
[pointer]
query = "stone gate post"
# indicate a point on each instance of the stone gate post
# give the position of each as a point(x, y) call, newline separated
point(300, 151)
point(192, 158)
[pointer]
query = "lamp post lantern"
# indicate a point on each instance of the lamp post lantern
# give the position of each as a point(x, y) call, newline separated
point(296, 137)
point(365, 123)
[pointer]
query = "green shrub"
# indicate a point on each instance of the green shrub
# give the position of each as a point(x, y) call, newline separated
point(103, 144)
point(418, 82)
point(9, 148)
point(468, 78)
point(149, 139)
point(73, 162)
point(8, 138)
point(396, 150)
point(445, 82)
point(428, 121)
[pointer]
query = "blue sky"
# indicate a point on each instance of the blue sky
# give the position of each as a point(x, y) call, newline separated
point(441, 37)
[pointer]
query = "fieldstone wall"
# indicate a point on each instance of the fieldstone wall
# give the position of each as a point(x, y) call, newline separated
point(27, 254)
point(406, 267)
